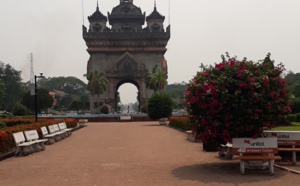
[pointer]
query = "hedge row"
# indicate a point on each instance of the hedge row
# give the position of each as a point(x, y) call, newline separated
point(6, 135)
point(293, 117)
point(180, 122)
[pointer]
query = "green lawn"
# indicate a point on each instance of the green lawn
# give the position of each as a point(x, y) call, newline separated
point(294, 127)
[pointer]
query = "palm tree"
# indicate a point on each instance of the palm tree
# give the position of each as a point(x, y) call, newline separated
point(148, 78)
point(157, 80)
point(96, 83)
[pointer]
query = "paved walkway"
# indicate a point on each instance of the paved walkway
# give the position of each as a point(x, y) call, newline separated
point(130, 154)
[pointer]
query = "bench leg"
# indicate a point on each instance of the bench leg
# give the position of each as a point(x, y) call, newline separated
point(50, 141)
point(222, 152)
point(294, 158)
point(57, 138)
point(228, 153)
point(26, 151)
point(18, 151)
point(271, 167)
point(191, 137)
point(36, 147)
point(31, 149)
point(242, 167)
point(42, 146)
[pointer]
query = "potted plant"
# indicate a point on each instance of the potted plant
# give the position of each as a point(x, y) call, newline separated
point(160, 107)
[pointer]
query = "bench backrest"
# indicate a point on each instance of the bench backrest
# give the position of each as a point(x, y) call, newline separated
point(62, 125)
point(56, 128)
point(284, 137)
point(83, 120)
point(31, 135)
point(253, 146)
point(44, 131)
point(19, 137)
point(51, 129)
point(125, 117)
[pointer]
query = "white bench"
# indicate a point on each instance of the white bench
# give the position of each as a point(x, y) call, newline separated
point(63, 127)
point(53, 129)
point(23, 148)
point(48, 136)
point(287, 141)
point(62, 133)
point(82, 122)
point(255, 150)
point(33, 136)
point(125, 118)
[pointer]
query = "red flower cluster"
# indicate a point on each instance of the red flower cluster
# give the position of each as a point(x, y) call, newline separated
point(6, 135)
point(237, 99)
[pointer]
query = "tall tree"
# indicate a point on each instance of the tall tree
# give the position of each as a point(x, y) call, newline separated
point(2, 91)
point(177, 92)
point(97, 83)
point(66, 88)
point(13, 87)
point(159, 80)
point(44, 100)
point(156, 81)
point(69, 85)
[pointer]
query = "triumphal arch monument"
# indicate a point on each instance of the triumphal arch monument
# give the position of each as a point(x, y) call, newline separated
point(126, 48)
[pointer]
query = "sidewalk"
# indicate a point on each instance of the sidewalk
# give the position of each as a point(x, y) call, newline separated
point(134, 153)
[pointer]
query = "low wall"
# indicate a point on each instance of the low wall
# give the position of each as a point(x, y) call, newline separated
point(105, 118)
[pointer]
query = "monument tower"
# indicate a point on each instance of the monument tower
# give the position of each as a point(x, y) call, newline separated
point(127, 49)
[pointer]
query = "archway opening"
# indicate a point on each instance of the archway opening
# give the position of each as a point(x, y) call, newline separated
point(128, 94)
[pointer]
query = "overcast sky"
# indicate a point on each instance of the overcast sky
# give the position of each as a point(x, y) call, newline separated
point(201, 30)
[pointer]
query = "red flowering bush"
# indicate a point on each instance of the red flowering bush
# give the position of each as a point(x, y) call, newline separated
point(237, 99)
point(6, 135)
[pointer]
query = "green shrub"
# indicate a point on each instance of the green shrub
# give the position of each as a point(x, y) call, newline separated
point(19, 109)
point(2, 125)
point(104, 109)
point(291, 117)
point(295, 105)
point(144, 108)
point(297, 117)
point(180, 122)
point(160, 106)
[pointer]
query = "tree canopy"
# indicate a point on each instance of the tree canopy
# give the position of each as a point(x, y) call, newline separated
point(157, 80)
point(44, 100)
point(11, 89)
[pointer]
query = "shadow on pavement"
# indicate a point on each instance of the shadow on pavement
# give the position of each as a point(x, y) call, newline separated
point(224, 173)
point(154, 125)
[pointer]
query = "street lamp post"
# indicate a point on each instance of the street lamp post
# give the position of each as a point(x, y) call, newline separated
point(35, 95)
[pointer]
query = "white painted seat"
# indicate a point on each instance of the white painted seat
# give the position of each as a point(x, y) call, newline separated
point(82, 122)
point(54, 129)
point(125, 118)
point(63, 127)
point(48, 136)
point(23, 148)
point(33, 136)
point(59, 135)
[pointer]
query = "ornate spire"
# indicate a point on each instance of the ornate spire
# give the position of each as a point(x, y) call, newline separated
point(97, 15)
point(155, 14)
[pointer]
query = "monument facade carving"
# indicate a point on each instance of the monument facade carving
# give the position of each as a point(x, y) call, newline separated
point(127, 49)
